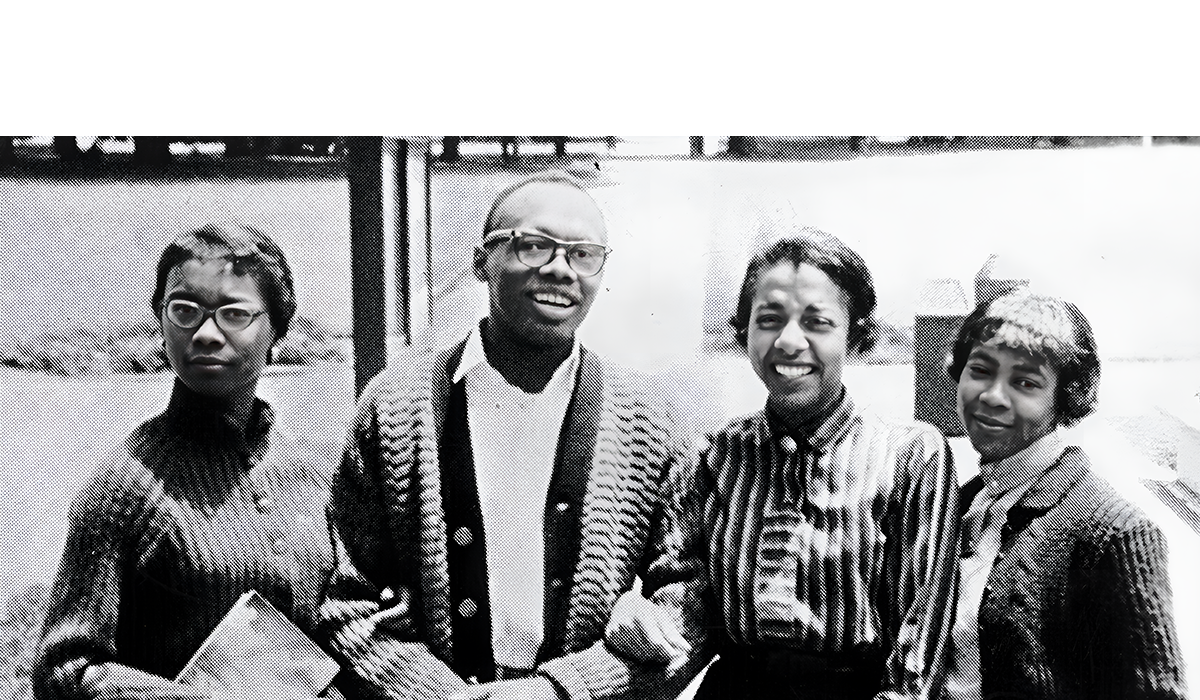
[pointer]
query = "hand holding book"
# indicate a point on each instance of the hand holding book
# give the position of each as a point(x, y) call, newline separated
point(256, 652)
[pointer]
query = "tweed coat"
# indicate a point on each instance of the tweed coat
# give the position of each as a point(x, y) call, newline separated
point(1078, 602)
point(388, 611)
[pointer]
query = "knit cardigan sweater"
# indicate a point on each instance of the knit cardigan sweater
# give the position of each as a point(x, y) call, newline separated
point(389, 612)
point(1078, 603)
point(177, 523)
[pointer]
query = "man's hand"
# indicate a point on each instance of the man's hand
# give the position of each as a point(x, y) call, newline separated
point(532, 688)
point(640, 630)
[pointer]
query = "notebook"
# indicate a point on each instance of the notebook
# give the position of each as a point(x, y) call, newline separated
point(256, 652)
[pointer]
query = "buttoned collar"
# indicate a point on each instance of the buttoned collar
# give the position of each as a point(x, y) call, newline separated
point(1056, 481)
point(819, 435)
point(1020, 470)
point(473, 356)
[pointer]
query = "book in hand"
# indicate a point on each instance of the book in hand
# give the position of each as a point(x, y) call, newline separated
point(256, 652)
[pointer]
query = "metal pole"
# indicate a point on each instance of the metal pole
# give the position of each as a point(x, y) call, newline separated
point(412, 257)
point(364, 173)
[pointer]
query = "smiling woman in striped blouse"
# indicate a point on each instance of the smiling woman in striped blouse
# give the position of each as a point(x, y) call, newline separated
point(812, 545)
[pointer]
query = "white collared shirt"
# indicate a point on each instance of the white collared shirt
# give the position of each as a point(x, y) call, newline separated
point(1004, 483)
point(514, 442)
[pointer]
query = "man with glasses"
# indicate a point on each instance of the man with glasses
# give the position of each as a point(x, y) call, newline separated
point(495, 500)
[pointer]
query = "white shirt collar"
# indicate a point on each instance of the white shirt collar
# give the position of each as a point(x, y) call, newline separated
point(1022, 468)
point(473, 356)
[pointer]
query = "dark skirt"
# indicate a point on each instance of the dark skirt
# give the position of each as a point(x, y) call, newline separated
point(779, 673)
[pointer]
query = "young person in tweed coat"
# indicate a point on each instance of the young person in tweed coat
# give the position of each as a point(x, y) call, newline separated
point(495, 499)
point(1063, 589)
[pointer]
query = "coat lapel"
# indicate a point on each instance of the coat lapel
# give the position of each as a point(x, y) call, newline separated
point(1048, 490)
point(967, 493)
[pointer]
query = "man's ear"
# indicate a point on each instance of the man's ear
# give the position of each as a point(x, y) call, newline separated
point(480, 264)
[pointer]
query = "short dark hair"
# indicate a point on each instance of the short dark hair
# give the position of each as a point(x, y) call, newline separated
point(559, 177)
point(250, 251)
point(1046, 327)
point(829, 255)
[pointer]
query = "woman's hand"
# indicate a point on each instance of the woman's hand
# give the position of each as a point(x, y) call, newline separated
point(640, 630)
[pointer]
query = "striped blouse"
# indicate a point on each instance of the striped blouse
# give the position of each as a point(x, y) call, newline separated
point(838, 542)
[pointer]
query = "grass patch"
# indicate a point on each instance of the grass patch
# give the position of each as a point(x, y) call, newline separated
point(309, 341)
point(137, 348)
point(128, 349)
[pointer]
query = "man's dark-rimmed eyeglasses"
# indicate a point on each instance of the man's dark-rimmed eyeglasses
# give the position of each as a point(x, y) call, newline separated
point(229, 318)
point(538, 249)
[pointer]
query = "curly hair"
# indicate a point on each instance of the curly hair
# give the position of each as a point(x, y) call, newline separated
point(251, 252)
point(829, 255)
point(1047, 327)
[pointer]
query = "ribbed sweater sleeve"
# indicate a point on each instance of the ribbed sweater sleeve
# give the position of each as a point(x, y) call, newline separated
point(371, 613)
point(108, 524)
point(676, 581)
point(596, 673)
point(1140, 625)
